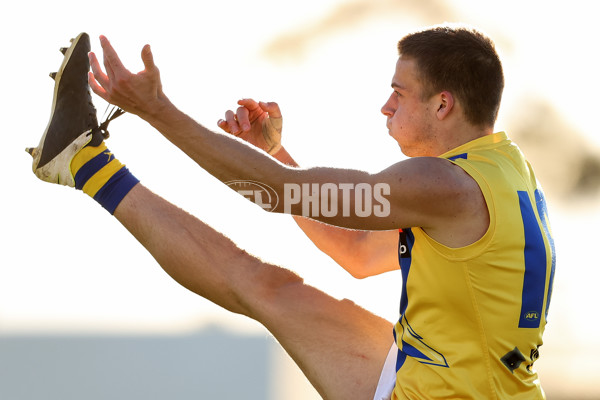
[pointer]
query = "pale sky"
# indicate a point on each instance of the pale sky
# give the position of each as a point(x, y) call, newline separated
point(211, 54)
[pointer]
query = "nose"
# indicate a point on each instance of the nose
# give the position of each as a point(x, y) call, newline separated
point(387, 108)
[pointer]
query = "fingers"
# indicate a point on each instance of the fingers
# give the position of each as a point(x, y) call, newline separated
point(232, 123)
point(224, 125)
point(148, 58)
point(97, 79)
point(272, 108)
point(245, 115)
point(250, 104)
point(235, 123)
point(257, 108)
point(112, 62)
point(243, 119)
point(96, 88)
point(97, 72)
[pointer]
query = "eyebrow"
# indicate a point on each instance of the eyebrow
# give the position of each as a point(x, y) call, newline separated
point(396, 85)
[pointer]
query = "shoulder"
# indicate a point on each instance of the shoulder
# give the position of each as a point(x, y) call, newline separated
point(432, 176)
point(445, 200)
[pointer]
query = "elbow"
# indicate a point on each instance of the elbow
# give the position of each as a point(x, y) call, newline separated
point(358, 270)
point(358, 274)
point(367, 268)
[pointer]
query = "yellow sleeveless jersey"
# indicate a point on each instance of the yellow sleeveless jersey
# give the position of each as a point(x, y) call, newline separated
point(472, 318)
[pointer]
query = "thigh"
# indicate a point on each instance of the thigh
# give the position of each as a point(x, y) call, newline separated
point(339, 346)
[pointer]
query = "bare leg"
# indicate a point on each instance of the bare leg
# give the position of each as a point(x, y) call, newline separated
point(339, 346)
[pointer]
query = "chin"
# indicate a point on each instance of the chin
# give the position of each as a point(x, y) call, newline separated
point(409, 152)
point(403, 150)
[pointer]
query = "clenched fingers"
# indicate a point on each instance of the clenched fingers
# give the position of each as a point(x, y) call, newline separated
point(232, 123)
point(242, 115)
point(272, 108)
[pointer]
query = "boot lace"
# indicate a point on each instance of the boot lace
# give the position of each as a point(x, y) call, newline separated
point(114, 113)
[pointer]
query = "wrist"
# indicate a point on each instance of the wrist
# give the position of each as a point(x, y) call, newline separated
point(159, 111)
point(284, 157)
point(274, 149)
point(164, 116)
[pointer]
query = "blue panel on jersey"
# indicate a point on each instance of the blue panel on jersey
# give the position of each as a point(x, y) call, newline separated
point(413, 352)
point(534, 281)
point(400, 359)
point(540, 202)
point(405, 244)
point(463, 155)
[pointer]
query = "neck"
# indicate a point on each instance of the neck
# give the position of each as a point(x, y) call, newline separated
point(459, 135)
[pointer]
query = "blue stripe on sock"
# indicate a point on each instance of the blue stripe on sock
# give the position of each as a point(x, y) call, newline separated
point(117, 187)
point(91, 167)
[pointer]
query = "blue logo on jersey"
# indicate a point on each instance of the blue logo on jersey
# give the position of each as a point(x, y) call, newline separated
point(405, 244)
point(413, 345)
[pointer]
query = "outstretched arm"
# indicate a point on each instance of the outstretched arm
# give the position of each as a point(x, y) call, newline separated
point(426, 192)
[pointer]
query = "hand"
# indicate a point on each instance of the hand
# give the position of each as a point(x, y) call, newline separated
point(258, 123)
point(139, 94)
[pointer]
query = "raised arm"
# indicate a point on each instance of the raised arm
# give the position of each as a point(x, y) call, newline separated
point(425, 192)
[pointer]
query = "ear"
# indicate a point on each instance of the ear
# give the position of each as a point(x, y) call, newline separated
point(446, 104)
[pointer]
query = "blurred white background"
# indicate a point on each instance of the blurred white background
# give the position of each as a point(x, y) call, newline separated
point(329, 64)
